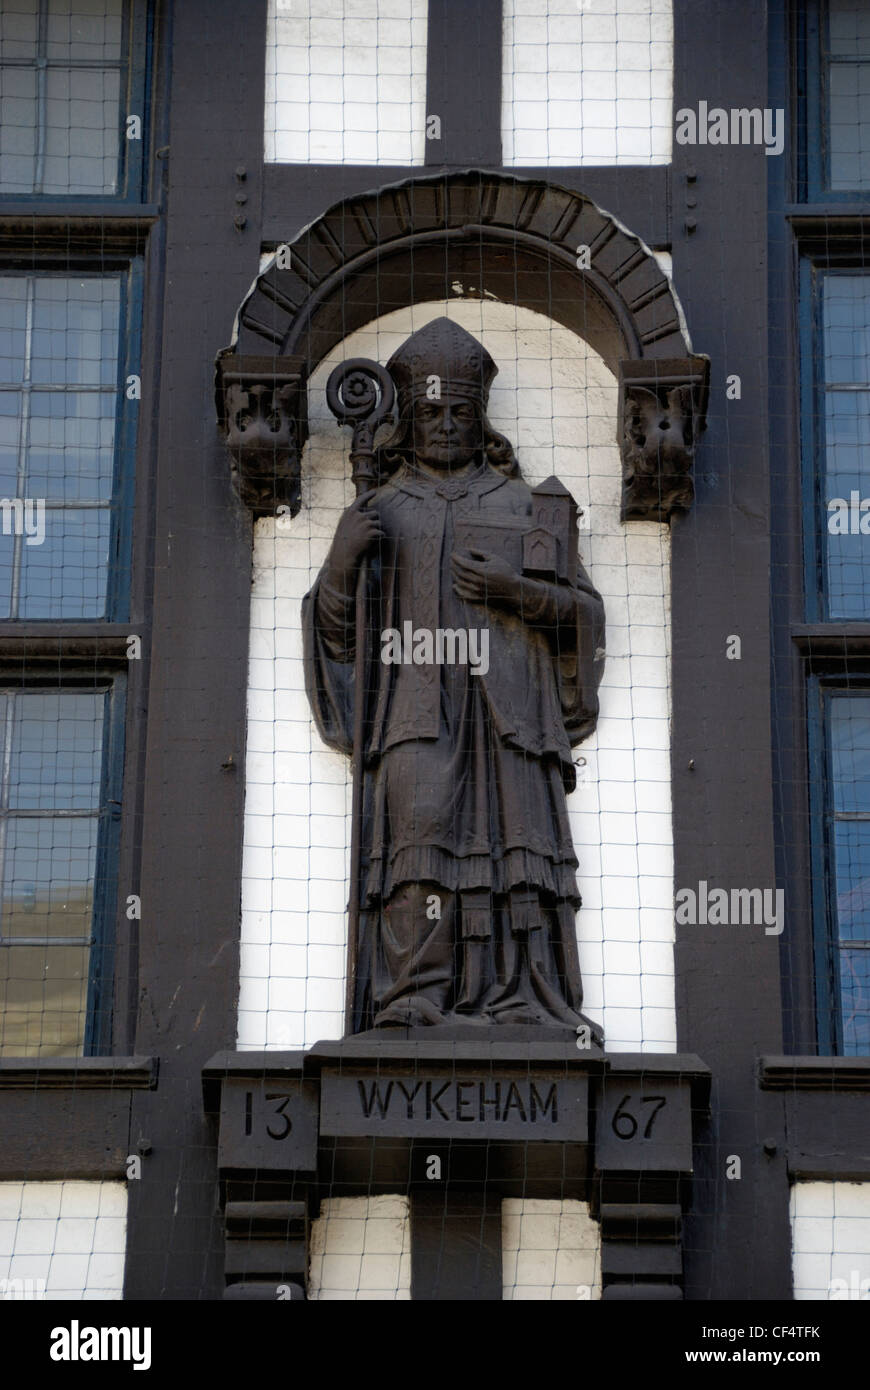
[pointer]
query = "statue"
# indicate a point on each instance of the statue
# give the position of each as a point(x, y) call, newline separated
point(455, 635)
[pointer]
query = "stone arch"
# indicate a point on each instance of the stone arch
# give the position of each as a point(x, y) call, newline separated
point(501, 236)
point(479, 235)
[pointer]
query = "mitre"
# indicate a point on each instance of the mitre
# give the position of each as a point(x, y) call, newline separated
point(442, 349)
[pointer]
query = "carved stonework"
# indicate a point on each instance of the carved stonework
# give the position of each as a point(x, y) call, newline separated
point(662, 406)
point(566, 1122)
point(262, 410)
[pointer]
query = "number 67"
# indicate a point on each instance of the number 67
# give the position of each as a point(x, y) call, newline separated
point(624, 1125)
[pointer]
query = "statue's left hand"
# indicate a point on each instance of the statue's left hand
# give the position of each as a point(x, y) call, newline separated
point(479, 577)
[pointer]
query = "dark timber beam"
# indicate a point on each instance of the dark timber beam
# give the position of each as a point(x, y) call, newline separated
point(463, 82)
point(296, 194)
point(456, 1246)
point(193, 796)
point(737, 1235)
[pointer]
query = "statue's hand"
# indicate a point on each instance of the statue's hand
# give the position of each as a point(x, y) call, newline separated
point(479, 577)
point(357, 531)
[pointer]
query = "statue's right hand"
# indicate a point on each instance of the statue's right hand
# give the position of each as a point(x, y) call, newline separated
point(357, 531)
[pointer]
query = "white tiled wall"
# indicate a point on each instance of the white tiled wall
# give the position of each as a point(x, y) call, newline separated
point(556, 400)
point(831, 1240)
point(346, 81)
point(72, 1235)
point(550, 1251)
point(361, 1249)
point(587, 82)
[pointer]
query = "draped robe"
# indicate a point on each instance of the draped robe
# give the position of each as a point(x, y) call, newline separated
point(468, 890)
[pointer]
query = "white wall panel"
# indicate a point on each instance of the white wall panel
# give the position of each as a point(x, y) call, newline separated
point(361, 1250)
point(71, 1235)
point(587, 82)
point(551, 1251)
point(346, 81)
point(831, 1241)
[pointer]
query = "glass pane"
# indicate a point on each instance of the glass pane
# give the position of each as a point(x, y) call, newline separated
point(846, 325)
point(66, 575)
point(84, 30)
point(852, 856)
point(13, 328)
point(849, 130)
point(75, 331)
point(850, 753)
point(48, 877)
point(845, 523)
point(848, 27)
point(43, 999)
point(72, 441)
point(855, 995)
point(17, 130)
point(56, 754)
point(81, 135)
point(846, 487)
point(19, 27)
point(10, 430)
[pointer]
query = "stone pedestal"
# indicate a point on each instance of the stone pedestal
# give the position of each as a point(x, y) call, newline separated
point(457, 1123)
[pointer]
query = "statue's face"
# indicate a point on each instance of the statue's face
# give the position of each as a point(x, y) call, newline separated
point(447, 433)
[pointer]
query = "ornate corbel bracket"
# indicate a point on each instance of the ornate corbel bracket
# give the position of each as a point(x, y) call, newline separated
point(662, 411)
point(261, 404)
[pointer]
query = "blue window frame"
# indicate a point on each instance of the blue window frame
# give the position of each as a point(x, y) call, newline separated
point(71, 73)
point(835, 100)
point(61, 761)
point(68, 344)
point(835, 432)
point(835, 444)
point(840, 783)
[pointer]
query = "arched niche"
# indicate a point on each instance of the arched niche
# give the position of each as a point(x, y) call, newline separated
point(555, 398)
point(478, 235)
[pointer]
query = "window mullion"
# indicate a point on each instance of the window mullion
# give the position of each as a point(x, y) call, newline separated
point(41, 96)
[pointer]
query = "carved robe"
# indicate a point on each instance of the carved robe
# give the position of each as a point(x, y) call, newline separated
point(468, 888)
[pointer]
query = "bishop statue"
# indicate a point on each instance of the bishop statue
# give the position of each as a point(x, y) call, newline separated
point(482, 651)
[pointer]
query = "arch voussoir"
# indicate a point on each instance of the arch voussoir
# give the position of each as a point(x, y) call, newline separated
point(474, 234)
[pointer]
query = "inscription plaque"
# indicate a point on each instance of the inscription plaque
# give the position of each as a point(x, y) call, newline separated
point(268, 1124)
point(449, 1105)
point(644, 1123)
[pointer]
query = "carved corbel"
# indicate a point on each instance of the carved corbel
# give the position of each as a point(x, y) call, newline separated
point(662, 411)
point(261, 405)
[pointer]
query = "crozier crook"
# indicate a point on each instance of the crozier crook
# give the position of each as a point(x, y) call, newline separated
point(360, 393)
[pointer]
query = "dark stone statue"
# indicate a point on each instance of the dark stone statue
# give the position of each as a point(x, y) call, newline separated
point(483, 648)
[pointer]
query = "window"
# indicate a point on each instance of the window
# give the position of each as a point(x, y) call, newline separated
point(838, 97)
point(74, 89)
point(823, 698)
point(847, 61)
point(843, 854)
point(836, 445)
point(64, 445)
point(72, 71)
point(59, 793)
point(837, 437)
